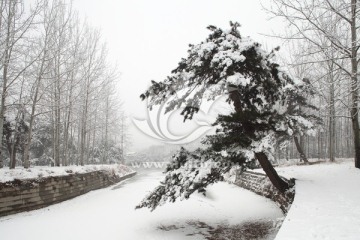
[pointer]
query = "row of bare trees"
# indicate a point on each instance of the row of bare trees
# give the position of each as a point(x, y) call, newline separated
point(324, 40)
point(59, 103)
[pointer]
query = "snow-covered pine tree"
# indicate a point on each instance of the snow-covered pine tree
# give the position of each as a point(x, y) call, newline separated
point(266, 103)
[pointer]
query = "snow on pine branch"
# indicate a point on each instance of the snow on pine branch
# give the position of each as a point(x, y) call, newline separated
point(7, 175)
point(190, 172)
point(224, 59)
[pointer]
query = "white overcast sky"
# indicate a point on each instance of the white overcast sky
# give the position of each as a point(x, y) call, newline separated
point(147, 38)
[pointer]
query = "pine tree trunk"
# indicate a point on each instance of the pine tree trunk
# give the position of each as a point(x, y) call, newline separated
point(266, 165)
point(300, 150)
point(270, 171)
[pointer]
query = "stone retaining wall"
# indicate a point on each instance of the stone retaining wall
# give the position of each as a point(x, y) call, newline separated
point(24, 195)
point(260, 184)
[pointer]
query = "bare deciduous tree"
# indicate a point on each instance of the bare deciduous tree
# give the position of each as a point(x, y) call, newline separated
point(336, 22)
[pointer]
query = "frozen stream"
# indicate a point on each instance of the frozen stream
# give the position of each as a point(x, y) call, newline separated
point(109, 214)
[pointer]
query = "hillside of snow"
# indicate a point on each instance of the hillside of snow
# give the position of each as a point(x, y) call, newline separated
point(326, 204)
point(21, 173)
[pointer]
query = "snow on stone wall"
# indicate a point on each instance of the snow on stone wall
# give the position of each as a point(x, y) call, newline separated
point(24, 195)
point(260, 184)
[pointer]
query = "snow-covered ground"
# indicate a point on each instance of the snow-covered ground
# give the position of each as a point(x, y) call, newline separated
point(109, 214)
point(41, 171)
point(326, 204)
point(325, 207)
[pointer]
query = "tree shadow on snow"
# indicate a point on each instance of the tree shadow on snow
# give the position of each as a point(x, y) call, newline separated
point(259, 230)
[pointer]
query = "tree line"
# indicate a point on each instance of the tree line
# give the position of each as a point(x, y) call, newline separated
point(323, 40)
point(59, 103)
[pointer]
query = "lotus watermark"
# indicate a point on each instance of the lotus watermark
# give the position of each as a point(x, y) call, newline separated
point(169, 127)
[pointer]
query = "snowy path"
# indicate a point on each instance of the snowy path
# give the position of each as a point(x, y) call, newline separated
point(109, 214)
point(326, 204)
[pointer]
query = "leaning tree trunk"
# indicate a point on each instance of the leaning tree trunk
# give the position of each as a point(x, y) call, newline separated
point(300, 150)
point(270, 171)
point(266, 165)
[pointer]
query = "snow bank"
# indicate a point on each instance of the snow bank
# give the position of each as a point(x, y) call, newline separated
point(326, 204)
point(20, 173)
